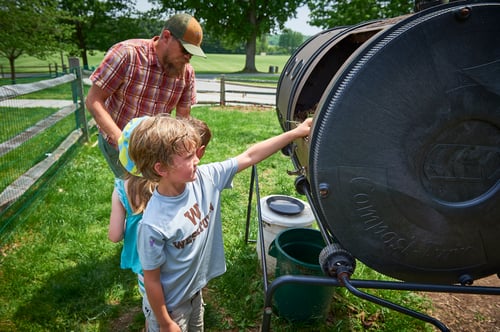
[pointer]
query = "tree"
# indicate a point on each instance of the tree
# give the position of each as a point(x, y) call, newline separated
point(328, 14)
point(29, 27)
point(239, 22)
point(290, 40)
point(97, 25)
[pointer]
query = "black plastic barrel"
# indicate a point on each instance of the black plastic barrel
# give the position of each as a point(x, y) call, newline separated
point(403, 160)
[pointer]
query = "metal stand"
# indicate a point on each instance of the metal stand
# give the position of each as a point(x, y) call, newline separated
point(343, 276)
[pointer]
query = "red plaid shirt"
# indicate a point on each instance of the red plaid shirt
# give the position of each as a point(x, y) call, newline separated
point(138, 85)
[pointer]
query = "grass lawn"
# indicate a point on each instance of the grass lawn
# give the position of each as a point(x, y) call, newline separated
point(59, 272)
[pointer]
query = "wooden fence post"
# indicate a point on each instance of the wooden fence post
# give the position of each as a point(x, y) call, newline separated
point(77, 87)
point(222, 99)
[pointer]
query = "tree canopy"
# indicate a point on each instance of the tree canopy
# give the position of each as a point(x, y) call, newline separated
point(239, 21)
point(328, 14)
point(30, 27)
point(290, 40)
point(42, 27)
point(97, 24)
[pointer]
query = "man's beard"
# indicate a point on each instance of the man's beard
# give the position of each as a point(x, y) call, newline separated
point(173, 69)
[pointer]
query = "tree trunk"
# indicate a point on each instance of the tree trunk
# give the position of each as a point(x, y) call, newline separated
point(12, 69)
point(251, 47)
point(82, 46)
point(84, 58)
point(251, 44)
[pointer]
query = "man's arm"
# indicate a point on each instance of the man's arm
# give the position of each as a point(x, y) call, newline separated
point(156, 299)
point(264, 149)
point(95, 104)
point(182, 112)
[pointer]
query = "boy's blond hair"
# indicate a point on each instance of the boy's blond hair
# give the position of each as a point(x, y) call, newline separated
point(158, 139)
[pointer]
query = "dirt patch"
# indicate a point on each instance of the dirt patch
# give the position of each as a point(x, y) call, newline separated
point(125, 321)
point(468, 312)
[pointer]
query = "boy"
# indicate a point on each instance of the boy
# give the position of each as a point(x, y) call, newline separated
point(130, 197)
point(180, 236)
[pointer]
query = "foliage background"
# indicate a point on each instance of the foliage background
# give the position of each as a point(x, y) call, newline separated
point(80, 27)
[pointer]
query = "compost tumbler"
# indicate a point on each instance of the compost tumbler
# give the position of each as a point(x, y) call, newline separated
point(403, 162)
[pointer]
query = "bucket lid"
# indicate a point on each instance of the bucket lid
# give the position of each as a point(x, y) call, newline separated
point(286, 211)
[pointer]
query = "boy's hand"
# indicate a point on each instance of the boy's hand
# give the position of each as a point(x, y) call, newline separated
point(304, 129)
point(171, 327)
point(260, 151)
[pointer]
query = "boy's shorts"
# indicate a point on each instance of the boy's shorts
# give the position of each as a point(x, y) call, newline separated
point(188, 315)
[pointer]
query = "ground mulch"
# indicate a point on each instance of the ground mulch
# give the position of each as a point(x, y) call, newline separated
point(468, 312)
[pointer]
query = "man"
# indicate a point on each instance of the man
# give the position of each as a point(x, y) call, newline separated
point(141, 77)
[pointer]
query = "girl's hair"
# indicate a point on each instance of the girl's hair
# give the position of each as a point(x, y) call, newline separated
point(202, 129)
point(158, 139)
point(139, 191)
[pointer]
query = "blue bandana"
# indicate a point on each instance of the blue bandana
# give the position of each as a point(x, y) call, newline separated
point(123, 146)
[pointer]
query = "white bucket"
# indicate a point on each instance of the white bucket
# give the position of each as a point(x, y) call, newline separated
point(275, 219)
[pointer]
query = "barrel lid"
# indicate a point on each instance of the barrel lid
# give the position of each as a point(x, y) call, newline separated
point(286, 211)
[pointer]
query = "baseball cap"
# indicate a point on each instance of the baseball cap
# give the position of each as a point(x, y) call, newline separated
point(187, 29)
point(123, 146)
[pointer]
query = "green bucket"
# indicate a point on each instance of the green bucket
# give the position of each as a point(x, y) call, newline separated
point(296, 251)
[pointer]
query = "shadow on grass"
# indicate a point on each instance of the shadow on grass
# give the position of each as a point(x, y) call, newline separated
point(235, 301)
point(89, 294)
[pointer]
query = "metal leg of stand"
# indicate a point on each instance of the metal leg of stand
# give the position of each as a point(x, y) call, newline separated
point(249, 206)
point(352, 286)
point(394, 306)
point(254, 180)
point(335, 283)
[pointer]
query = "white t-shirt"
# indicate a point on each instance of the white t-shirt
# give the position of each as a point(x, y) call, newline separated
point(182, 235)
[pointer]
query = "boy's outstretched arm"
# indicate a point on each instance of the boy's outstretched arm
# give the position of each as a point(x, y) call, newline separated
point(264, 149)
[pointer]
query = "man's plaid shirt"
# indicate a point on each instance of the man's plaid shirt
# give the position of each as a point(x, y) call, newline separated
point(138, 85)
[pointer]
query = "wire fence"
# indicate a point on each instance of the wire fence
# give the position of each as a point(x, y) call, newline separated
point(21, 72)
point(34, 139)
